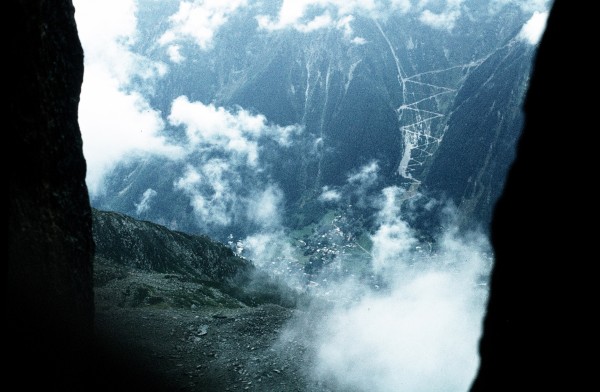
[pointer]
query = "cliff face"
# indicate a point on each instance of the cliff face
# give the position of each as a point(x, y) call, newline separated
point(534, 328)
point(49, 299)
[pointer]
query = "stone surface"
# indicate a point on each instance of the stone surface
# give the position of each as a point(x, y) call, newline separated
point(49, 299)
point(534, 327)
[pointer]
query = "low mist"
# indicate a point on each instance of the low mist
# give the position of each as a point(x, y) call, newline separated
point(409, 321)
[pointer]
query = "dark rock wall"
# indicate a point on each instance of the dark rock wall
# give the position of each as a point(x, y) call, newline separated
point(48, 293)
point(534, 335)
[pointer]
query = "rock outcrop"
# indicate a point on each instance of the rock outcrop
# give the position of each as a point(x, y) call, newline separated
point(49, 304)
point(144, 247)
point(533, 330)
point(151, 247)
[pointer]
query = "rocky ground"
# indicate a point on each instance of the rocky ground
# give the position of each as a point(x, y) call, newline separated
point(164, 333)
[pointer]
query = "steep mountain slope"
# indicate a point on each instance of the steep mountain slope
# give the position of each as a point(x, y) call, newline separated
point(145, 263)
point(479, 142)
point(151, 247)
point(285, 115)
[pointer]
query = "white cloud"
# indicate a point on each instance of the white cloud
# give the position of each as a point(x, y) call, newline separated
point(144, 204)
point(421, 332)
point(116, 121)
point(271, 251)
point(223, 191)
point(443, 14)
point(533, 29)
point(106, 30)
point(174, 53)
point(367, 174)
point(267, 246)
point(260, 247)
point(329, 195)
point(199, 21)
point(423, 336)
point(358, 41)
point(234, 132)
point(116, 125)
point(211, 189)
point(362, 181)
point(444, 20)
point(528, 6)
point(209, 125)
point(343, 24)
point(393, 240)
point(224, 184)
point(333, 14)
point(189, 180)
point(317, 23)
point(265, 208)
point(289, 15)
point(402, 5)
point(299, 14)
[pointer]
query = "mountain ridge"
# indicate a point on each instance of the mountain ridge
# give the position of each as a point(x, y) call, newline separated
point(127, 247)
